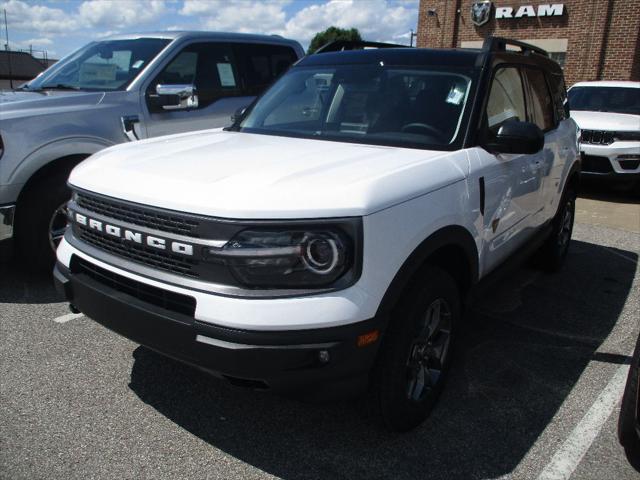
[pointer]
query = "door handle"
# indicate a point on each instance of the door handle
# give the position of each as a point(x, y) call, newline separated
point(128, 126)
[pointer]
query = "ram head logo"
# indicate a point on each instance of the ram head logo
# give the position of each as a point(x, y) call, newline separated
point(480, 12)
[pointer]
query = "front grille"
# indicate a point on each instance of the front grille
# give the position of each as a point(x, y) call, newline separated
point(596, 164)
point(160, 259)
point(597, 137)
point(165, 299)
point(165, 221)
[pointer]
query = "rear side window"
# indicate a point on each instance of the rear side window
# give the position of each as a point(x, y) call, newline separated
point(541, 105)
point(262, 64)
point(506, 99)
point(559, 95)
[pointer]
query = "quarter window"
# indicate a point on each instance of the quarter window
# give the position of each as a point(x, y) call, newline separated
point(506, 99)
point(541, 108)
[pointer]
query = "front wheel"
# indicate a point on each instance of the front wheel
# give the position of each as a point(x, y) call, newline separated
point(415, 355)
point(42, 220)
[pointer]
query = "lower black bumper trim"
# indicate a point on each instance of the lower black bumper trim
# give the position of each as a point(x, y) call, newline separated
point(282, 361)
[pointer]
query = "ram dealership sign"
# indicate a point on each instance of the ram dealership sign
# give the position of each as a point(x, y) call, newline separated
point(481, 11)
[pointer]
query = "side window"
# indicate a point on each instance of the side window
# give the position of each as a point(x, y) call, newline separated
point(541, 108)
point(559, 94)
point(209, 67)
point(181, 70)
point(506, 99)
point(262, 64)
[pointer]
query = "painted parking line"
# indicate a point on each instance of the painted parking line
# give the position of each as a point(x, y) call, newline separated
point(568, 456)
point(67, 317)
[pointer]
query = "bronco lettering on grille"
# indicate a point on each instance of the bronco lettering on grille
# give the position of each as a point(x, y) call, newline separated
point(139, 238)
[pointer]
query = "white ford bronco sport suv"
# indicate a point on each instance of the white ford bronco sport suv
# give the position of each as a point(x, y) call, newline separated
point(325, 243)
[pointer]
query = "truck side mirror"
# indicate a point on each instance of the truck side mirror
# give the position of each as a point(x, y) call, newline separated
point(177, 97)
point(517, 137)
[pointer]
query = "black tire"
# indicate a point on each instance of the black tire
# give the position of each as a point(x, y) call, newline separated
point(394, 399)
point(554, 251)
point(627, 433)
point(35, 218)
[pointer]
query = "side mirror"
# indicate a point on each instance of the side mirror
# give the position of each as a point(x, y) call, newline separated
point(237, 115)
point(517, 137)
point(177, 97)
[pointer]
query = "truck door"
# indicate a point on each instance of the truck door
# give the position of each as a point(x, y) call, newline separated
point(210, 68)
point(226, 77)
point(557, 143)
point(510, 182)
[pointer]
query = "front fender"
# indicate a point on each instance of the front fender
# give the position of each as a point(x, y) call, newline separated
point(48, 153)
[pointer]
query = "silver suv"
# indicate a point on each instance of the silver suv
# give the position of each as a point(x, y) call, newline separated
point(120, 89)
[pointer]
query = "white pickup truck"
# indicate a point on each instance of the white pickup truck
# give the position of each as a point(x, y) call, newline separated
point(325, 243)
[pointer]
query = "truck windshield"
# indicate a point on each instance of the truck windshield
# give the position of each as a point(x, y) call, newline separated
point(605, 99)
point(372, 104)
point(106, 65)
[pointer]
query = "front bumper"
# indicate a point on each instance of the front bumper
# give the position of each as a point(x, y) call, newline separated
point(619, 161)
point(315, 364)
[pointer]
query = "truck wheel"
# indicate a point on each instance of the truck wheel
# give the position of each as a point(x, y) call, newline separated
point(42, 221)
point(552, 255)
point(415, 355)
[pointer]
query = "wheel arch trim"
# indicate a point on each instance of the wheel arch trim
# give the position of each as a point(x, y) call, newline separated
point(451, 236)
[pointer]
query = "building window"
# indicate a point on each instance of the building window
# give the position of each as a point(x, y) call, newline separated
point(558, 57)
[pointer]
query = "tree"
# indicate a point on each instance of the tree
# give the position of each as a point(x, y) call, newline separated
point(331, 34)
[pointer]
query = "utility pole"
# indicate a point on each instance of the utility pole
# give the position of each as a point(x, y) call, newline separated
point(411, 38)
point(6, 31)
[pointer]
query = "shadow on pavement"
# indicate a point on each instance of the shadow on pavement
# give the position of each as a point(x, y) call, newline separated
point(527, 345)
point(20, 286)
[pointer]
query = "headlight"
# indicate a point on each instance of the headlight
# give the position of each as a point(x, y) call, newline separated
point(296, 258)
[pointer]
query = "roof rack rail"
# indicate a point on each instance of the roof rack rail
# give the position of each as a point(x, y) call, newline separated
point(341, 45)
point(498, 44)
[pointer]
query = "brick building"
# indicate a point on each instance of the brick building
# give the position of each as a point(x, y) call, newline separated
point(591, 39)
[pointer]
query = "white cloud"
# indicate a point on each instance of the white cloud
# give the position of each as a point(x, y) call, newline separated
point(119, 13)
point(238, 15)
point(375, 19)
point(113, 14)
point(22, 16)
point(380, 20)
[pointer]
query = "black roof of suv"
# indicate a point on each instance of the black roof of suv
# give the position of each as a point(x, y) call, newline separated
point(494, 50)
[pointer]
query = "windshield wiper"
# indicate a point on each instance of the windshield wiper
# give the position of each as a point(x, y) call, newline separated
point(59, 86)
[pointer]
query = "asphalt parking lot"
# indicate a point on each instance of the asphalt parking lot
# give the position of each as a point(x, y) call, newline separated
point(534, 390)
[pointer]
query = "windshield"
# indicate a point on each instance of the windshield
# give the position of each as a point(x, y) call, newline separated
point(396, 106)
point(605, 99)
point(106, 65)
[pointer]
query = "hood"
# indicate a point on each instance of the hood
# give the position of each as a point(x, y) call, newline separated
point(17, 104)
point(606, 120)
point(241, 175)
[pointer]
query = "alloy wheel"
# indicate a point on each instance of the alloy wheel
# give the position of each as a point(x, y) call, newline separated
point(429, 351)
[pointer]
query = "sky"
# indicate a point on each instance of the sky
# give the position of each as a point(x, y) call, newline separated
point(61, 26)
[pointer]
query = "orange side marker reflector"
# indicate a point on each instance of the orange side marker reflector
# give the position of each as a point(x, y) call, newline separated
point(368, 338)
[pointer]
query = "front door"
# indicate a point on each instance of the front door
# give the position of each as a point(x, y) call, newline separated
point(511, 182)
point(212, 70)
